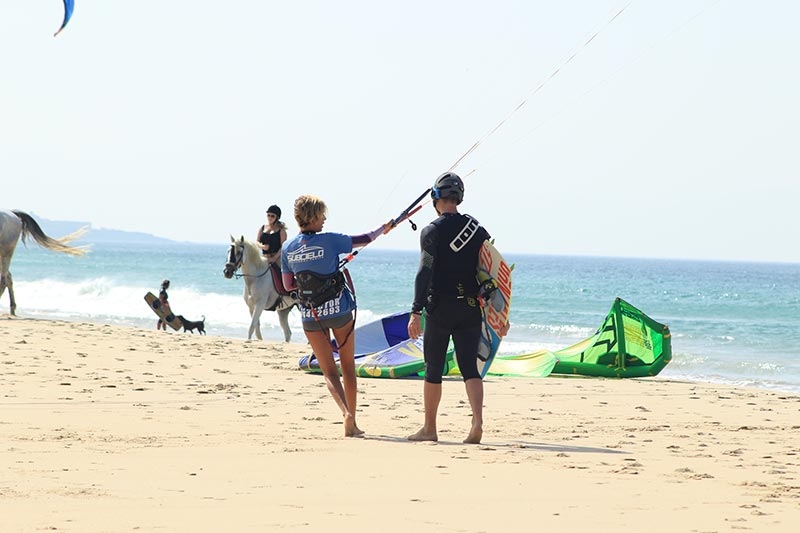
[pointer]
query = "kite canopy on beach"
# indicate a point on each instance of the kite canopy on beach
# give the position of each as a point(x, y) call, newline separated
point(69, 6)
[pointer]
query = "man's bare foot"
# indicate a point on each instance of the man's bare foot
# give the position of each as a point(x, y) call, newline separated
point(424, 435)
point(474, 436)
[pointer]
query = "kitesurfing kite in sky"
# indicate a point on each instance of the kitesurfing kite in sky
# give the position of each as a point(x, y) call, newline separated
point(69, 5)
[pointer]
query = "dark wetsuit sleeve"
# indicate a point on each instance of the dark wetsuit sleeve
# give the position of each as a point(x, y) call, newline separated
point(422, 281)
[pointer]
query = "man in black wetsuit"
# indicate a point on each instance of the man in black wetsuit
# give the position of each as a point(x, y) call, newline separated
point(446, 288)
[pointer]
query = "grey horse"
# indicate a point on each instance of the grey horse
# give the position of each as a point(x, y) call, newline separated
point(18, 224)
point(260, 292)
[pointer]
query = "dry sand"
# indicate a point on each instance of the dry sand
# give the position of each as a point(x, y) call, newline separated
point(107, 429)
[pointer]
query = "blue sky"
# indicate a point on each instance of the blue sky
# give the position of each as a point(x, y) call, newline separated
point(671, 134)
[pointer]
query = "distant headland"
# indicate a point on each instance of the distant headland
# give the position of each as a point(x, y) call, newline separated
point(58, 228)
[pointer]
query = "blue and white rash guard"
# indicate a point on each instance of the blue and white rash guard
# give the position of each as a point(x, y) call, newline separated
point(319, 253)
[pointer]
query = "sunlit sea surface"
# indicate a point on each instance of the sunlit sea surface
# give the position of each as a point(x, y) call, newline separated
point(731, 322)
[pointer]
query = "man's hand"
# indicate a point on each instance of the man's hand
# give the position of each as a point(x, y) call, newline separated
point(414, 326)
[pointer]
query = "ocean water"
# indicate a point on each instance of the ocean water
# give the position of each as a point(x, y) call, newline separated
point(733, 323)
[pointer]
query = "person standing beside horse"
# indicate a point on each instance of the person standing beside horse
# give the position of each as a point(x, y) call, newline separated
point(311, 266)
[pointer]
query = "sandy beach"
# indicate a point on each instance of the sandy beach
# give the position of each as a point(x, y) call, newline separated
point(111, 429)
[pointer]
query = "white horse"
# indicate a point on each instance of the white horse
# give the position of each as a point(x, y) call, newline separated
point(16, 224)
point(260, 292)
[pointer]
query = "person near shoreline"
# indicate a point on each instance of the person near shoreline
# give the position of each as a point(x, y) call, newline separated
point(311, 266)
point(163, 297)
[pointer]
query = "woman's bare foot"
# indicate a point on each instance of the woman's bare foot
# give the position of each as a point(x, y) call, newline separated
point(354, 433)
point(424, 435)
point(350, 427)
point(474, 436)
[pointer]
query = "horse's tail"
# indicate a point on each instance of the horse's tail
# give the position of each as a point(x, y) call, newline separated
point(31, 228)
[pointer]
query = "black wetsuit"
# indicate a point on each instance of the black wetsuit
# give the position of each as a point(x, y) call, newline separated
point(445, 286)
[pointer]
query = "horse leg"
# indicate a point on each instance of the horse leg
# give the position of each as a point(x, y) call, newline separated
point(10, 284)
point(256, 308)
point(7, 281)
point(3, 287)
point(249, 300)
point(255, 324)
point(283, 318)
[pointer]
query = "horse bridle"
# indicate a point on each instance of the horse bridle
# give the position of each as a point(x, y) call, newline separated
point(235, 262)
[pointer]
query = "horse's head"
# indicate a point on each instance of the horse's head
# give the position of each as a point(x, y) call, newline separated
point(235, 257)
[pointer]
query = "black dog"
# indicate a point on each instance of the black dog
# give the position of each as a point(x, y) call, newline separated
point(189, 325)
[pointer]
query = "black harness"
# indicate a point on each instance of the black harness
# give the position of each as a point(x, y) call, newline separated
point(315, 289)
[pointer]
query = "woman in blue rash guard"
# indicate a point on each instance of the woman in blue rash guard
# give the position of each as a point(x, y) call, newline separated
point(310, 266)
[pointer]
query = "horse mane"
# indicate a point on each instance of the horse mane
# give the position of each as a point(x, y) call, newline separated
point(253, 255)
